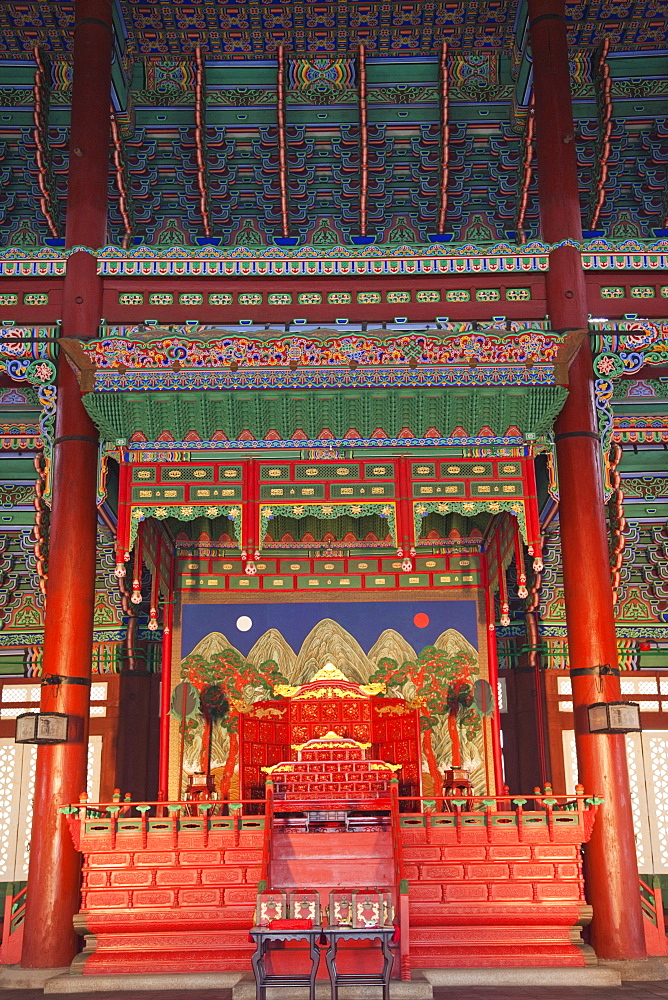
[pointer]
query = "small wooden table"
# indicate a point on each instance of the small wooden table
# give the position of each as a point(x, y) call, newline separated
point(382, 978)
point(457, 781)
point(263, 937)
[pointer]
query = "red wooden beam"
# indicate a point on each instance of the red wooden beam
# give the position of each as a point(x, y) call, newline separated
point(282, 144)
point(200, 140)
point(527, 174)
point(445, 139)
point(166, 690)
point(123, 193)
point(364, 141)
point(41, 138)
point(620, 520)
point(533, 638)
point(532, 309)
point(604, 87)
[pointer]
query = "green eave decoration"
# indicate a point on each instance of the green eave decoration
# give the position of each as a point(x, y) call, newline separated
point(306, 414)
point(186, 512)
point(360, 523)
point(469, 508)
point(330, 511)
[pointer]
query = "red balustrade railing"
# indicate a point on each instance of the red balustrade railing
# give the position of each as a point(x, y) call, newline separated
point(536, 817)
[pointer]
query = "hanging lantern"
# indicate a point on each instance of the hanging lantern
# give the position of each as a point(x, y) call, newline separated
point(614, 717)
point(41, 728)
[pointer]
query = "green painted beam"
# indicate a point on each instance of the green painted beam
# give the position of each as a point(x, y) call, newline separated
point(240, 74)
point(17, 470)
point(644, 460)
point(657, 510)
point(16, 519)
point(17, 74)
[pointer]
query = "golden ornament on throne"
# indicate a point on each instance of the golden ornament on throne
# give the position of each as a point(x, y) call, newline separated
point(323, 680)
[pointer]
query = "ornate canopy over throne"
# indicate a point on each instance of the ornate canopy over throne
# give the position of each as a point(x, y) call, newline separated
point(329, 705)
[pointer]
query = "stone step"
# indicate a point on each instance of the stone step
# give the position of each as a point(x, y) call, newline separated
point(418, 988)
point(539, 976)
point(143, 983)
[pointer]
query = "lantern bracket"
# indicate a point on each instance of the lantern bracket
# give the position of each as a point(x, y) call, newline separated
point(601, 670)
point(54, 679)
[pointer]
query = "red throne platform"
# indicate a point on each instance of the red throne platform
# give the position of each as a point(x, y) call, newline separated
point(488, 881)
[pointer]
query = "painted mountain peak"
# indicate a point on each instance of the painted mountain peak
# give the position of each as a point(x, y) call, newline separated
point(212, 644)
point(272, 645)
point(391, 643)
point(329, 642)
point(451, 641)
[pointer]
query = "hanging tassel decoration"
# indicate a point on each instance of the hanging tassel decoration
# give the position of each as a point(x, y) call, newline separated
point(121, 559)
point(535, 551)
point(503, 596)
point(155, 597)
point(521, 569)
point(407, 564)
point(136, 574)
point(250, 568)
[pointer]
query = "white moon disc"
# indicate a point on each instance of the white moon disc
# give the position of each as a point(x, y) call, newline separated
point(244, 623)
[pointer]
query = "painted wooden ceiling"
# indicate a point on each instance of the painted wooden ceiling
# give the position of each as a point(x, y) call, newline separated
point(156, 187)
point(389, 27)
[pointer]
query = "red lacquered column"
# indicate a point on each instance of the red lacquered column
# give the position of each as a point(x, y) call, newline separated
point(611, 869)
point(53, 880)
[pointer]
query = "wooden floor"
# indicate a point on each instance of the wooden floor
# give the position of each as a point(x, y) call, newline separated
point(628, 991)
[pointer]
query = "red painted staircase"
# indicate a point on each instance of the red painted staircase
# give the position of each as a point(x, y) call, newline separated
point(326, 861)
